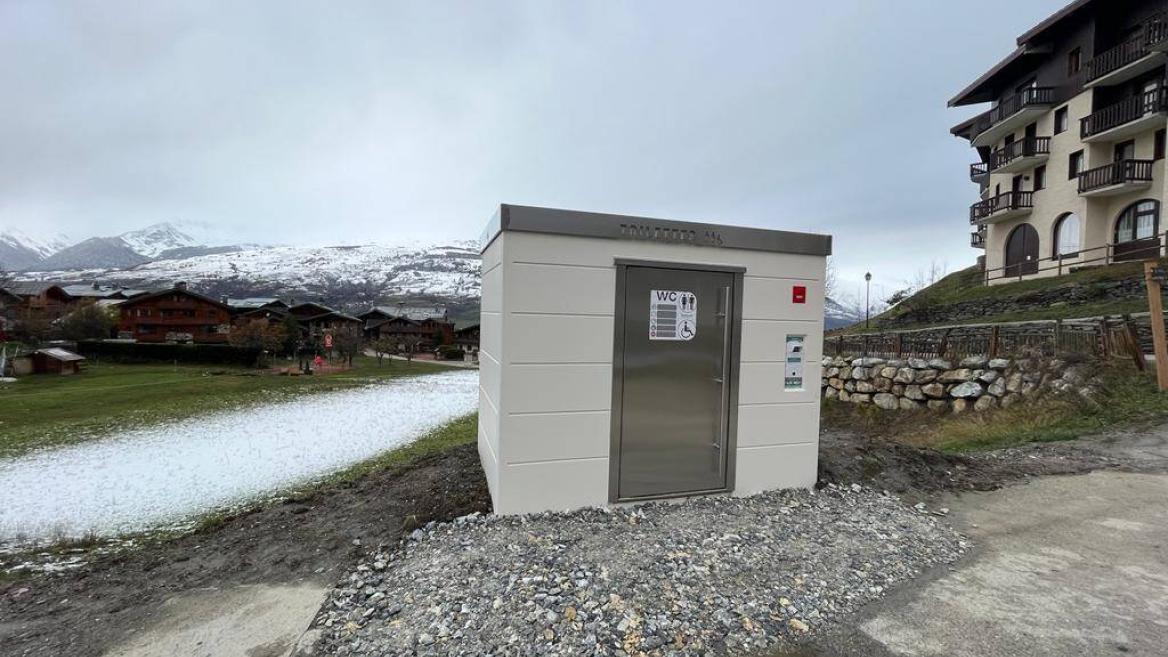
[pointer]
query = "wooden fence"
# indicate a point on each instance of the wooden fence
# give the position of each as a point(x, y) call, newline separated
point(1126, 336)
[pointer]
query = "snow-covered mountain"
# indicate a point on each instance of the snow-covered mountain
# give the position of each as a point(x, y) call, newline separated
point(344, 276)
point(837, 315)
point(155, 240)
point(19, 250)
point(365, 272)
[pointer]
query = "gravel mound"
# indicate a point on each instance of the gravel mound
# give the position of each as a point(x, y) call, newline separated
point(713, 575)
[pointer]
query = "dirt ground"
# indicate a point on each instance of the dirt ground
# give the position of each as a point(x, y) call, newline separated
point(847, 457)
point(86, 611)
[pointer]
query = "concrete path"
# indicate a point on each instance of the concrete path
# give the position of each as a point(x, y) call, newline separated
point(243, 621)
point(1065, 566)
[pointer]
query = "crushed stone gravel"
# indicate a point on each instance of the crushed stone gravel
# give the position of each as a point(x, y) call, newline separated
point(713, 575)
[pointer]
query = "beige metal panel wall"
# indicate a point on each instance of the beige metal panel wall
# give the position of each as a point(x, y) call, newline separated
point(759, 468)
point(491, 362)
point(555, 366)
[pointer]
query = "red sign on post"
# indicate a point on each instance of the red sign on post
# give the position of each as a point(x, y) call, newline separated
point(328, 341)
point(799, 294)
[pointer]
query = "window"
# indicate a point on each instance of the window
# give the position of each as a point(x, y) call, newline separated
point(1138, 222)
point(1066, 235)
point(1061, 120)
point(1125, 151)
point(1158, 149)
point(1039, 178)
point(1074, 165)
point(1074, 62)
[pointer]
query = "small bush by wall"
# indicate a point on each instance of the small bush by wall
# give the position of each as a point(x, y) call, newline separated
point(972, 384)
point(138, 352)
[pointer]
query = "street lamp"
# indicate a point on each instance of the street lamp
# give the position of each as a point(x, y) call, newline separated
point(867, 297)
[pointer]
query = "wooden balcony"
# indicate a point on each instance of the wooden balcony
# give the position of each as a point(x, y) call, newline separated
point(979, 172)
point(1001, 207)
point(1011, 114)
point(1128, 117)
point(1131, 58)
point(1116, 178)
point(1020, 155)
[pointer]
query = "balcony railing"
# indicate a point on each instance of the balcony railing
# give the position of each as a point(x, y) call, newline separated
point(977, 240)
point(1028, 147)
point(1125, 111)
point(978, 170)
point(1155, 32)
point(1029, 97)
point(986, 209)
point(1116, 173)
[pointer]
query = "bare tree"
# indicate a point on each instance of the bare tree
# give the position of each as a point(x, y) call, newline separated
point(89, 322)
point(258, 334)
point(349, 341)
point(409, 343)
point(383, 347)
point(926, 276)
point(830, 280)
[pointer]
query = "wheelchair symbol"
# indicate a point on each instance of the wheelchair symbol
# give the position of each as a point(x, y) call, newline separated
point(686, 330)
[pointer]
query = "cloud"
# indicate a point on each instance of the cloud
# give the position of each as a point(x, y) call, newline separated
point(301, 122)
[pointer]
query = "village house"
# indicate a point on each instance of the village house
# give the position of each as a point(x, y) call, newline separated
point(317, 319)
point(467, 338)
point(40, 298)
point(427, 326)
point(174, 315)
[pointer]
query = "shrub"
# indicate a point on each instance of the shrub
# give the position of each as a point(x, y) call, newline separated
point(139, 352)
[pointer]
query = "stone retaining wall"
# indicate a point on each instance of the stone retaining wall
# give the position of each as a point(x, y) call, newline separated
point(975, 383)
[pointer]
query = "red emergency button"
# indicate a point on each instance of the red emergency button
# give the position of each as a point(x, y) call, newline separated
point(799, 294)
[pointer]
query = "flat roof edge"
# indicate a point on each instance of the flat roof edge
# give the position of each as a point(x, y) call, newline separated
point(575, 223)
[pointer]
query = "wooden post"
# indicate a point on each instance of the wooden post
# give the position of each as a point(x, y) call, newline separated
point(944, 343)
point(995, 333)
point(1133, 340)
point(1058, 335)
point(1104, 343)
point(1156, 308)
point(899, 345)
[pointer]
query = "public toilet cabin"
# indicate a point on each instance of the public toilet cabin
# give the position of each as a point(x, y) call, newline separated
point(627, 358)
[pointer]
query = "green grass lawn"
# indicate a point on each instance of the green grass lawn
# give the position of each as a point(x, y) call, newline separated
point(46, 410)
point(966, 285)
point(1128, 398)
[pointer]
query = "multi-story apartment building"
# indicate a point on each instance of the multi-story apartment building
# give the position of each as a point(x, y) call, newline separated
point(1071, 167)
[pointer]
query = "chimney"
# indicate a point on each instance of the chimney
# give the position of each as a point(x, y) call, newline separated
point(180, 285)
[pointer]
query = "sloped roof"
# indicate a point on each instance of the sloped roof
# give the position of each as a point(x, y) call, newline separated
point(255, 302)
point(416, 313)
point(159, 293)
point(57, 353)
point(30, 288)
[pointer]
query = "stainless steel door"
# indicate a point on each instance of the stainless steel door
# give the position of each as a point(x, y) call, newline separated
point(675, 385)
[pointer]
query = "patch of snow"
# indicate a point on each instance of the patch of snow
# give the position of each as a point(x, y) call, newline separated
point(150, 477)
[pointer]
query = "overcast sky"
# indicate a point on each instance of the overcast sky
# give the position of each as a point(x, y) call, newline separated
point(348, 122)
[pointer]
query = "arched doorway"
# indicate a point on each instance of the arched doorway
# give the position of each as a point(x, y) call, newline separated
point(1022, 251)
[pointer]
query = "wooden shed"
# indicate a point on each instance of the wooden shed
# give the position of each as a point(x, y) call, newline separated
point(56, 361)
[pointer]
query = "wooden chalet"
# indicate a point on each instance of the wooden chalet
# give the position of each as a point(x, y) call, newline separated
point(429, 325)
point(175, 315)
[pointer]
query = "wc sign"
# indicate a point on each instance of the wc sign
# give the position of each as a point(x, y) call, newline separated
point(673, 315)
